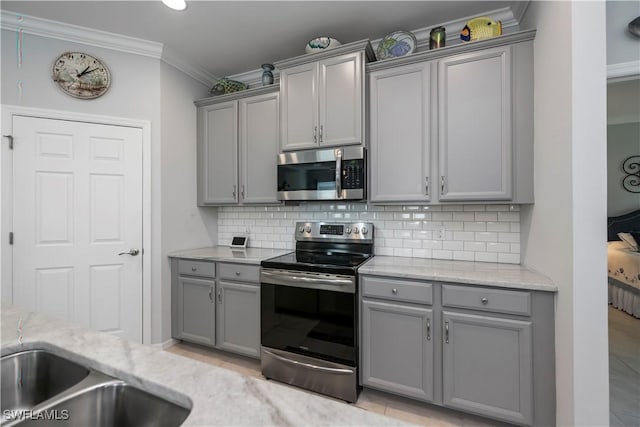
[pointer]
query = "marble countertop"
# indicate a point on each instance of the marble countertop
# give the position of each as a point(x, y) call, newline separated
point(224, 253)
point(474, 273)
point(217, 396)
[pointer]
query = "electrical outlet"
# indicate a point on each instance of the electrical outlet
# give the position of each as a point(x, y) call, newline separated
point(440, 233)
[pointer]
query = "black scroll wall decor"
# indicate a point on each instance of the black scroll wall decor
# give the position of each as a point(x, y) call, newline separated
point(631, 169)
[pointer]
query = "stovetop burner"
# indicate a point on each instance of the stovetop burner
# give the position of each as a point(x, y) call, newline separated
point(335, 262)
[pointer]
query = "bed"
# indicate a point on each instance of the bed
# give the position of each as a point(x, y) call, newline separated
point(623, 265)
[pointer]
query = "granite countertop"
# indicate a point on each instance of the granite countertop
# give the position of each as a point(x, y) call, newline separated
point(217, 396)
point(473, 273)
point(225, 253)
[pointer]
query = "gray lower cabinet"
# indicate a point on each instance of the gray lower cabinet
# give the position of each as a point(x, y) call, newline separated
point(239, 318)
point(397, 348)
point(195, 310)
point(487, 366)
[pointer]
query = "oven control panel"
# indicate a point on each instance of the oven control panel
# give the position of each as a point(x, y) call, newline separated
point(350, 231)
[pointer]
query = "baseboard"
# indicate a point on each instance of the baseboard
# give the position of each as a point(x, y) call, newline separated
point(165, 345)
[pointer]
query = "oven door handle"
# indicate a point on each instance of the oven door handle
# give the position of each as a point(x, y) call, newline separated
point(308, 365)
point(344, 284)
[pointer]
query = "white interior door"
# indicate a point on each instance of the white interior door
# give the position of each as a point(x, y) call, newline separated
point(77, 206)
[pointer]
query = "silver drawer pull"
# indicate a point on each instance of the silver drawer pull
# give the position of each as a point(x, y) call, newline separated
point(237, 273)
point(484, 300)
point(194, 268)
point(394, 291)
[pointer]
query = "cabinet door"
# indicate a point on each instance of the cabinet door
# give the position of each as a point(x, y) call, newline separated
point(487, 366)
point(259, 135)
point(239, 318)
point(299, 108)
point(341, 98)
point(397, 349)
point(400, 120)
point(474, 110)
point(196, 310)
point(218, 154)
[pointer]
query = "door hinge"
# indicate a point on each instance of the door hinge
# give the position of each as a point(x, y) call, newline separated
point(11, 237)
point(10, 138)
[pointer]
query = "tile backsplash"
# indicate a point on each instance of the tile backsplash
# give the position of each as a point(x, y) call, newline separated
point(489, 233)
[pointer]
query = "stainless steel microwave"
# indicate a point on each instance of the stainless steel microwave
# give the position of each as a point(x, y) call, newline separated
point(329, 174)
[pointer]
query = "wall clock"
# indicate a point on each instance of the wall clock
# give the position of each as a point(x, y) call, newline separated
point(81, 75)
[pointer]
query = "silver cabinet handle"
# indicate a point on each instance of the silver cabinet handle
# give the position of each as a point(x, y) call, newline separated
point(484, 300)
point(220, 296)
point(234, 191)
point(428, 329)
point(442, 184)
point(394, 291)
point(426, 186)
point(237, 273)
point(132, 252)
point(194, 268)
point(211, 293)
point(338, 154)
point(242, 191)
point(315, 131)
point(321, 127)
point(446, 332)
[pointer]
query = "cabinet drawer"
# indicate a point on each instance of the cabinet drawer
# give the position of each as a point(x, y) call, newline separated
point(487, 299)
point(398, 290)
point(244, 273)
point(196, 268)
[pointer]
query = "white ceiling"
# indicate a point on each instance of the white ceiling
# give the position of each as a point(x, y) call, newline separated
point(230, 37)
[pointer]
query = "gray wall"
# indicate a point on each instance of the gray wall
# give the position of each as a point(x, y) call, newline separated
point(623, 140)
point(621, 45)
point(564, 231)
point(143, 88)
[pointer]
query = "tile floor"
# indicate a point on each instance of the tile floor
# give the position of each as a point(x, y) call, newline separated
point(624, 371)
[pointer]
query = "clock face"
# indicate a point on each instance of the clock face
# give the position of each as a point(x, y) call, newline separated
point(81, 75)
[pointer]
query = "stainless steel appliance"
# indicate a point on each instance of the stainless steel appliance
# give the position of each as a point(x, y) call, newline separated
point(309, 308)
point(331, 174)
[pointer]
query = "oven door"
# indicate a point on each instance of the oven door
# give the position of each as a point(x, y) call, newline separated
point(313, 320)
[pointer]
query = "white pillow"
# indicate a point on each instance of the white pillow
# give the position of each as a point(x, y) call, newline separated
point(629, 240)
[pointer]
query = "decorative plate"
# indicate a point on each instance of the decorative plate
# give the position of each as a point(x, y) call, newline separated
point(480, 28)
point(398, 43)
point(321, 43)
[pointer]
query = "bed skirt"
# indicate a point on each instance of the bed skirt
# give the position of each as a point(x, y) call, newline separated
point(624, 297)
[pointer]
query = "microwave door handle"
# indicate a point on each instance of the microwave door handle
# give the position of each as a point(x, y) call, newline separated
point(339, 174)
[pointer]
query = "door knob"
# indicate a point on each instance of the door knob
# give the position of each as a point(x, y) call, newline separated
point(132, 252)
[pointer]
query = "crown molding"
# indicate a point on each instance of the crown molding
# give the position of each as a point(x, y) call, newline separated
point(623, 69)
point(74, 33)
point(197, 73)
point(520, 9)
point(452, 28)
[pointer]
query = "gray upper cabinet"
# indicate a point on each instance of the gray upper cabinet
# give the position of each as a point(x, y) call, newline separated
point(400, 143)
point(239, 317)
point(259, 136)
point(397, 348)
point(487, 366)
point(454, 124)
point(323, 98)
point(474, 130)
point(217, 153)
point(237, 148)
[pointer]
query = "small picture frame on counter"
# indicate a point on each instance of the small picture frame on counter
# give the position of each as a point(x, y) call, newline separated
point(239, 242)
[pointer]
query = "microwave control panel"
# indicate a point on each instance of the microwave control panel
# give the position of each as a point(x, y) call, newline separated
point(352, 174)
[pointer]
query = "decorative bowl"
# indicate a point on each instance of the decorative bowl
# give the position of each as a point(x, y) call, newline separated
point(321, 43)
point(225, 85)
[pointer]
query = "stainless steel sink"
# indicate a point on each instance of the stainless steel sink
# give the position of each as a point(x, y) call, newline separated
point(115, 404)
point(31, 377)
point(57, 391)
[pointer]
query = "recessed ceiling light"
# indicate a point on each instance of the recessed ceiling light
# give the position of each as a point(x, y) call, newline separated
point(175, 4)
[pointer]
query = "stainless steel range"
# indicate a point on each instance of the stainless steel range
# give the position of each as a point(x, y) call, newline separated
point(309, 308)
